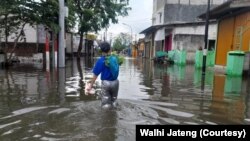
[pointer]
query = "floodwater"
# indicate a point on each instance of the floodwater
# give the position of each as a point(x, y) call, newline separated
point(36, 104)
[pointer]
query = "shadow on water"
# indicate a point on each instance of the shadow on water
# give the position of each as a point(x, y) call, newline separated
point(51, 105)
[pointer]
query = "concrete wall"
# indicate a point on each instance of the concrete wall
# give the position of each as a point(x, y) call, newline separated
point(30, 32)
point(158, 9)
point(158, 17)
point(76, 40)
point(186, 10)
point(158, 4)
point(175, 13)
point(194, 2)
point(159, 46)
point(35, 34)
point(2, 59)
point(189, 43)
point(179, 10)
point(197, 30)
point(41, 34)
point(35, 58)
point(69, 42)
point(190, 38)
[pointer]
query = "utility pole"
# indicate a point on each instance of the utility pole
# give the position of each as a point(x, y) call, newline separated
point(105, 37)
point(61, 49)
point(206, 40)
point(131, 37)
point(110, 39)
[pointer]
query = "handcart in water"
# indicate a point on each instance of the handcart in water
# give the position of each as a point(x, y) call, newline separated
point(160, 57)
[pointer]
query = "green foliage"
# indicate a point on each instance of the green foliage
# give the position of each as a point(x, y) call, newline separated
point(49, 14)
point(119, 58)
point(95, 15)
point(71, 20)
point(117, 45)
point(15, 13)
point(121, 42)
point(92, 16)
point(10, 16)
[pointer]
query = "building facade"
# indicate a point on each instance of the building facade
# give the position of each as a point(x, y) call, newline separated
point(175, 25)
point(233, 29)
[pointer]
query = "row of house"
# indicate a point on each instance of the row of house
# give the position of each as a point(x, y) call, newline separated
point(176, 25)
point(180, 25)
point(38, 40)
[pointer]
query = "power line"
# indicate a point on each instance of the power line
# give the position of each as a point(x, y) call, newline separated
point(139, 20)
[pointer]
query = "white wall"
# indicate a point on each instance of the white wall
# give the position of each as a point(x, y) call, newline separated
point(195, 2)
point(184, 1)
point(158, 4)
point(68, 43)
point(197, 30)
point(156, 17)
point(189, 45)
point(194, 30)
point(172, 1)
point(76, 40)
point(30, 32)
point(158, 7)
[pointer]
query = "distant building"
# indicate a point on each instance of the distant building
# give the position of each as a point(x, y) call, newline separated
point(141, 48)
point(88, 45)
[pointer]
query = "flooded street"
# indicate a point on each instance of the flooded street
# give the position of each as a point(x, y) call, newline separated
point(39, 105)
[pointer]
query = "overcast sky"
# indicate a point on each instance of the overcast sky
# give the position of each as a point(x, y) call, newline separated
point(139, 18)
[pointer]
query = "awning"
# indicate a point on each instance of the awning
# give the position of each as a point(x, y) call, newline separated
point(169, 26)
point(150, 29)
point(160, 34)
point(91, 36)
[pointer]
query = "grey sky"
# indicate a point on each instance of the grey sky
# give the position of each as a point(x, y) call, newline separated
point(139, 18)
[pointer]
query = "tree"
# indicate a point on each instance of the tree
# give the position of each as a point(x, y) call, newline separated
point(71, 20)
point(93, 15)
point(16, 14)
point(121, 42)
point(9, 23)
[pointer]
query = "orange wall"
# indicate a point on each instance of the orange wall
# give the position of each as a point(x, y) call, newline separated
point(244, 20)
point(141, 46)
point(226, 40)
point(218, 90)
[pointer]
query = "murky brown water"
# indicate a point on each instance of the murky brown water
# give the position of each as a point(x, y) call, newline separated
point(40, 105)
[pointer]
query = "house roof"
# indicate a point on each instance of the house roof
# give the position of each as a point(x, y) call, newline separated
point(228, 8)
point(171, 25)
point(150, 29)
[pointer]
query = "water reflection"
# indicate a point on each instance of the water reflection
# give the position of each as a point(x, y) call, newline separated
point(177, 71)
point(228, 107)
point(51, 105)
point(203, 81)
point(233, 85)
point(61, 84)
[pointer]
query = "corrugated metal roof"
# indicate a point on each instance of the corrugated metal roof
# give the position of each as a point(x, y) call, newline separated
point(228, 8)
point(170, 25)
point(150, 29)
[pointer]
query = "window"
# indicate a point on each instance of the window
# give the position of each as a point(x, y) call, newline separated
point(160, 16)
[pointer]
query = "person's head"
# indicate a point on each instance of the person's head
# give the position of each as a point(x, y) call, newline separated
point(105, 47)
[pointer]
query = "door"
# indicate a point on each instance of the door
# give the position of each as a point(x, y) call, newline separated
point(168, 42)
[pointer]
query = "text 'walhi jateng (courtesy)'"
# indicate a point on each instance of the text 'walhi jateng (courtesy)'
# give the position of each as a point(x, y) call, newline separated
point(192, 132)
